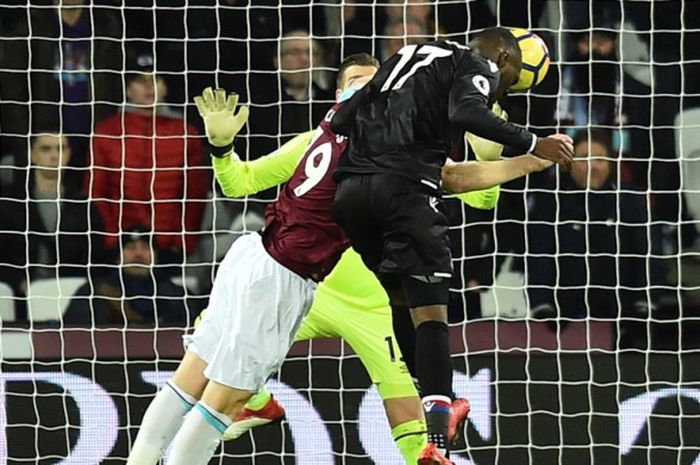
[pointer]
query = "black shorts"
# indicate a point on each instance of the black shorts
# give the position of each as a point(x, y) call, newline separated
point(395, 224)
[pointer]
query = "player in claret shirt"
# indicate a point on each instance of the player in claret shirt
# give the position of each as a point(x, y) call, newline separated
point(401, 127)
point(264, 285)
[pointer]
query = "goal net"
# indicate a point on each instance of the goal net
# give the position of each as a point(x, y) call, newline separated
point(574, 310)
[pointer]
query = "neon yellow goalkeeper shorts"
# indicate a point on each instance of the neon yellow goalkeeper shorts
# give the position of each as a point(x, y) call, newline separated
point(351, 304)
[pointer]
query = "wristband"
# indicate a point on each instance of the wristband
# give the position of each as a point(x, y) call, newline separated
point(220, 152)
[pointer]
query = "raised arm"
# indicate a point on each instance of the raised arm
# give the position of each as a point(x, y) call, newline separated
point(240, 178)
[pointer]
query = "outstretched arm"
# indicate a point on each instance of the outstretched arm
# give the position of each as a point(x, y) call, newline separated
point(240, 178)
point(475, 175)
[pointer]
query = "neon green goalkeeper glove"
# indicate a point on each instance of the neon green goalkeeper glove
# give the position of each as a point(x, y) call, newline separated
point(220, 123)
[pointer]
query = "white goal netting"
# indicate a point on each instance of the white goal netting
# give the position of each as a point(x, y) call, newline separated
point(576, 304)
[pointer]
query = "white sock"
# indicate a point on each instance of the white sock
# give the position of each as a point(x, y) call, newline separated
point(160, 423)
point(196, 441)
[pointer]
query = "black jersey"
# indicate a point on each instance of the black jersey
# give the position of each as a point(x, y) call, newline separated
point(420, 102)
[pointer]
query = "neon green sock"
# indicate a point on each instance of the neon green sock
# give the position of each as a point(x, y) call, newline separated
point(410, 437)
point(259, 400)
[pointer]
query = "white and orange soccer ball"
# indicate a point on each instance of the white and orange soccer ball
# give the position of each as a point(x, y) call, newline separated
point(535, 59)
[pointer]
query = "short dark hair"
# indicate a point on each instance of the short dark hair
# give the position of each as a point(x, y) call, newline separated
point(594, 134)
point(358, 59)
point(500, 35)
point(44, 130)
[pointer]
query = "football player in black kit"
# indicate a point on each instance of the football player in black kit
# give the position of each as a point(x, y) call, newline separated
point(402, 125)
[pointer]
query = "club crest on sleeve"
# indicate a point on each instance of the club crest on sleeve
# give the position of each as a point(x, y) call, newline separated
point(482, 84)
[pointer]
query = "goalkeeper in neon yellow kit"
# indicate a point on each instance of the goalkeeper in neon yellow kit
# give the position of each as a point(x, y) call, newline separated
point(350, 303)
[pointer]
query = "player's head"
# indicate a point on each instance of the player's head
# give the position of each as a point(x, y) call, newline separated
point(500, 46)
point(354, 72)
point(592, 166)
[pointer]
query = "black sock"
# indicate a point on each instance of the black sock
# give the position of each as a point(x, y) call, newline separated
point(434, 370)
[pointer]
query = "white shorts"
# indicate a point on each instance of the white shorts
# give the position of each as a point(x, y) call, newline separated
point(255, 309)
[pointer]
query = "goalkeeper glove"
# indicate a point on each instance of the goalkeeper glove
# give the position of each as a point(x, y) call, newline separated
point(220, 123)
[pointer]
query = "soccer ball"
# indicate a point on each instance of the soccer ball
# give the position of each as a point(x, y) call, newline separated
point(535, 59)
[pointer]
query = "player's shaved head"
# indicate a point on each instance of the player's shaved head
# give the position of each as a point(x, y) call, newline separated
point(496, 37)
point(499, 45)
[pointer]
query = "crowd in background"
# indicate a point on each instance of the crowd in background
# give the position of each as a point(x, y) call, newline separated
point(104, 172)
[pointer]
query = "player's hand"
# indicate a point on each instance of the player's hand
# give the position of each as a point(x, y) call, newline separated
point(558, 148)
point(220, 123)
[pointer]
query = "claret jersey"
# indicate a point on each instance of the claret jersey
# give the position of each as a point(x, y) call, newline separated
point(407, 118)
point(299, 231)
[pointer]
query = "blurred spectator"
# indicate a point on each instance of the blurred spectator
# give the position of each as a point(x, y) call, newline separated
point(52, 78)
point(149, 167)
point(47, 230)
point(422, 11)
point(220, 43)
point(225, 220)
point(299, 55)
point(400, 32)
point(590, 93)
point(587, 242)
point(290, 101)
point(132, 292)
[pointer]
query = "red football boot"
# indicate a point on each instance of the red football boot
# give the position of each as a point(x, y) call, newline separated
point(459, 411)
point(432, 456)
point(248, 419)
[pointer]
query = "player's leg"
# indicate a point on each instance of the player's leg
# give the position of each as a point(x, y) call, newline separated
point(405, 334)
point(205, 424)
point(254, 299)
point(381, 215)
point(416, 248)
point(369, 332)
point(262, 408)
point(432, 363)
point(167, 411)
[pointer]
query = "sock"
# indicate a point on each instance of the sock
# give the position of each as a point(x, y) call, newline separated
point(434, 369)
point(198, 436)
point(410, 437)
point(437, 417)
point(160, 423)
point(259, 400)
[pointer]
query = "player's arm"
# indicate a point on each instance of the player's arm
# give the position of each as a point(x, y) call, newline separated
point(468, 109)
point(239, 178)
point(484, 150)
point(477, 175)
